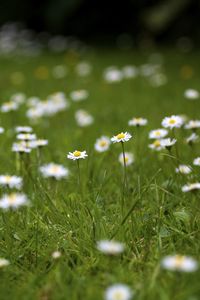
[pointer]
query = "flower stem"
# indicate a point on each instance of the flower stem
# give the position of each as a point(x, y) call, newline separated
point(79, 175)
point(125, 178)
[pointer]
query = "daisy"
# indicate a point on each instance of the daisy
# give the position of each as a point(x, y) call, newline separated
point(13, 200)
point(37, 143)
point(191, 94)
point(110, 247)
point(18, 98)
point(23, 129)
point(56, 254)
point(129, 158)
point(59, 71)
point(9, 106)
point(102, 144)
point(118, 292)
point(179, 263)
point(83, 69)
point(26, 136)
point(11, 181)
point(193, 138)
point(83, 118)
point(1, 130)
point(79, 95)
point(158, 133)
point(130, 71)
point(121, 137)
point(193, 124)
point(76, 155)
point(172, 122)
point(54, 170)
point(196, 161)
point(191, 187)
point(21, 148)
point(183, 169)
point(156, 145)
point(167, 143)
point(137, 122)
point(113, 74)
point(4, 262)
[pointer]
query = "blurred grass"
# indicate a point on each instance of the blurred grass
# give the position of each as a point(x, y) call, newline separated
point(163, 221)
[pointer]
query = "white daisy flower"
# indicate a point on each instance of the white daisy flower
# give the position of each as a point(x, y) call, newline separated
point(83, 68)
point(129, 158)
point(183, 169)
point(11, 181)
point(137, 122)
point(4, 262)
point(121, 137)
point(156, 145)
point(102, 144)
point(56, 254)
point(26, 136)
point(21, 148)
point(9, 106)
point(54, 170)
point(79, 95)
point(193, 124)
point(191, 94)
point(179, 263)
point(18, 98)
point(191, 187)
point(23, 129)
point(37, 143)
point(77, 155)
point(1, 130)
point(130, 71)
point(83, 118)
point(196, 161)
point(110, 247)
point(59, 71)
point(112, 74)
point(193, 138)
point(118, 292)
point(167, 143)
point(172, 122)
point(158, 133)
point(13, 200)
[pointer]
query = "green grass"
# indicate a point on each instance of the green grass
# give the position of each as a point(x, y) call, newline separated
point(158, 219)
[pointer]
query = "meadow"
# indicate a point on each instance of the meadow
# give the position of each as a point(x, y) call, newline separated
point(51, 243)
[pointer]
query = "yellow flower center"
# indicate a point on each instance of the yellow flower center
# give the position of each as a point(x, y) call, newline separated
point(12, 198)
point(103, 143)
point(54, 169)
point(118, 295)
point(7, 178)
point(157, 133)
point(77, 153)
point(172, 121)
point(126, 158)
point(179, 260)
point(120, 136)
point(157, 143)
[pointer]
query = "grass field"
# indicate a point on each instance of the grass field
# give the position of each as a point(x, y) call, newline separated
point(150, 215)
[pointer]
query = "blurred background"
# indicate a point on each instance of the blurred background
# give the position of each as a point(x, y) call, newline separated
point(131, 21)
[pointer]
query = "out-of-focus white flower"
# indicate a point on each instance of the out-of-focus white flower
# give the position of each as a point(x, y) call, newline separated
point(191, 187)
point(59, 71)
point(167, 143)
point(129, 158)
point(193, 124)
point(196, 161)
point(4, 262)
point(183, 169)
point(26, 136)
point(37, 143)
point(18, 98)
point(83, 69)
point(110, 247)
point(9, 106)
point(102, 144)
point(121, 137)
point(191, 94)
point(156, 145)
point(172, 122)
point(79, 95)
point(112, 74)
point(118, 291)
point(77, 155)
point(137, 122)
point(83, 118)
point(56, 254)
point(158, 133)
point(54, 170)
point(179, 263)
point(23, 129)
point(158, 79)
point(1, 130)
point(13, 200)
point(11, 181)
point(130, 71)
point(21, 148)
point(193, 138)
